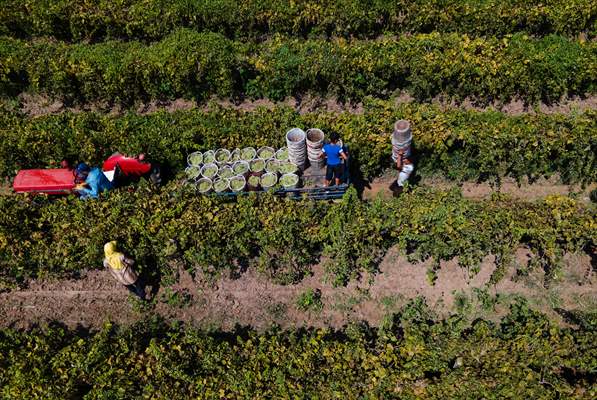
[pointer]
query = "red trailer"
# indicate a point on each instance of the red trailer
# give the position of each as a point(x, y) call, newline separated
point(50, 181)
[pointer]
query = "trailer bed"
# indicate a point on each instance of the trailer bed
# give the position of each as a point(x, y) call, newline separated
point(50, 181)
point(313, 186)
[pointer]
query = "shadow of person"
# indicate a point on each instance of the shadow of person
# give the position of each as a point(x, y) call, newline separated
point(150, 278)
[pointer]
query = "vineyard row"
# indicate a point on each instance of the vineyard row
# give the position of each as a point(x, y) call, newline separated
point(282, 239)
point(199, 65)
point(80, 20)
point(456, 143)
point(523, 356)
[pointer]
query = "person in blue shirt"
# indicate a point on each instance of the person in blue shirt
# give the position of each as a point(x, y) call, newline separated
point(334, 155)
point(93, 181)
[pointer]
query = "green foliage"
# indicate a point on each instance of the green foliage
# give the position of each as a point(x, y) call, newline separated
point(141, 306)
point(461, 144)
point(487, 301)
point(183, 64)
point(188, 48)
point(585, 319)
point(354, 239)
point(58, 237)
point(310, 300)
point(198, 65)
point(180, 298)
point(462, 303)
point(287, 245)
point(150, 20)
point(524, 356)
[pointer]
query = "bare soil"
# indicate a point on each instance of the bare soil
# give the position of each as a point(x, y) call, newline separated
point(36, 105)
point(524, 191)
point(518, 106)
point(253, 300)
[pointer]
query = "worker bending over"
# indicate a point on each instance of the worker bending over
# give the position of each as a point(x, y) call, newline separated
point(121, 268)
point(91, 181)
point(334, 155)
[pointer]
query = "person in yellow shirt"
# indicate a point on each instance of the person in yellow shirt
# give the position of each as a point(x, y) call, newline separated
point(121, 268)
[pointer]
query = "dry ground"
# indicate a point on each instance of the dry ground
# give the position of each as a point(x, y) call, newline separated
point(477, 191)
point(36, 105)
point(252, 299)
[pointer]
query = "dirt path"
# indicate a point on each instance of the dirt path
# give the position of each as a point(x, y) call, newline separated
point(38, 105)
point(254, 300)
point(477, 191)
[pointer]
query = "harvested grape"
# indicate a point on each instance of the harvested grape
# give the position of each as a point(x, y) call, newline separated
point(268, 180)
point(209, 157)
point(237, 183)
point(205, 186)
point(265, 153)
point(209, 170)
point(254, 180)
point(220, 185)
point(222, 155)
point(257, 165)
point(195, 159)
point(282, 154)
point(193, 172)
point(287, 167)
point(289, 180)
point(235, 155)
point(272, 166)
point(248, 153)
point(240, 168)
point(226, 172)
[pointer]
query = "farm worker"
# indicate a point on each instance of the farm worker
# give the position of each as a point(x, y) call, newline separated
point(406, 167)
point(121, 268)
point(93, 181)
point(334, 155)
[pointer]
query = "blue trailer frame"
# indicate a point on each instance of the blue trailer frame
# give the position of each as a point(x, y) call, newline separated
point(317, 193)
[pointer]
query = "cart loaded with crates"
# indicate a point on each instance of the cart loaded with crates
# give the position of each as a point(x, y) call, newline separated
point(296, 170)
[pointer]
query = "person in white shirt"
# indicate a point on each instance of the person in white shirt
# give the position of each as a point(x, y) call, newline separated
point(405, 167)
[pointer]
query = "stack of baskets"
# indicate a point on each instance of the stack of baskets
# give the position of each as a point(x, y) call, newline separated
point(314, 145)
point(297, 147)
point(401, 138)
